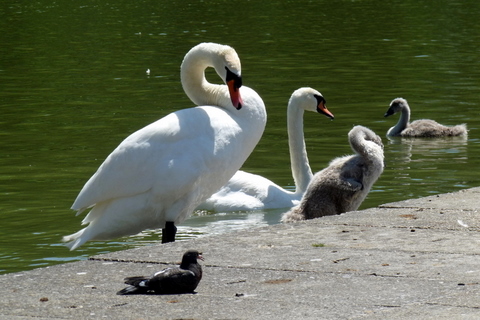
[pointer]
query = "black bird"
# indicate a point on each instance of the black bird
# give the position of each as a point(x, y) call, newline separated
point(182, 279)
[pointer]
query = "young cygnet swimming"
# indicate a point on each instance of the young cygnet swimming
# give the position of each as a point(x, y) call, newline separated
point(420, 128)
point(344, 184)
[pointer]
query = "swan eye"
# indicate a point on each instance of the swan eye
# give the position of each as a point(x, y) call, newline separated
point(232, 76)
point(320, 99)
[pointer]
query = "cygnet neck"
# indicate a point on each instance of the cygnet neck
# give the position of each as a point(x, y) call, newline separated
point(402, 121)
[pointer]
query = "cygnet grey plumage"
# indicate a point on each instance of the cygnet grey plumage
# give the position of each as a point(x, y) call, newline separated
point(424, 128)
point(345, 183)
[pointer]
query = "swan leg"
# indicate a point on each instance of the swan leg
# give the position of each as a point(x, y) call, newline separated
point(169, 232)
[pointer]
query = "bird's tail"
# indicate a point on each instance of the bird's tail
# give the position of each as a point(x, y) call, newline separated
point(137, 285)
point(75, 240)
point(131, 290)
point(138, 281)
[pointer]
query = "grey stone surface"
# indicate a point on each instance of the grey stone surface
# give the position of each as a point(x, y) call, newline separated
point(415, 259)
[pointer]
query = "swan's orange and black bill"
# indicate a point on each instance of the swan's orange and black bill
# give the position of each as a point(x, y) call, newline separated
point(321, 108)
point(234, 82)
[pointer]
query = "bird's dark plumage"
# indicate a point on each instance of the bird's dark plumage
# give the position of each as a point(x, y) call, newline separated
point(182, 279)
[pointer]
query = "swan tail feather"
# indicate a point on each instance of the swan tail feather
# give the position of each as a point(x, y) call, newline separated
point(73, 241)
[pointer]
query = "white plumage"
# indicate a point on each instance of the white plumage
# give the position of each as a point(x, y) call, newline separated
point(158, 175)
point(246, 191)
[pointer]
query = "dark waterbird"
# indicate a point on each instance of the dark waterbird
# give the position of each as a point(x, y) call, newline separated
point(182, 279)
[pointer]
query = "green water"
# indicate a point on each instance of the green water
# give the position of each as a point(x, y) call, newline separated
point(73, 85)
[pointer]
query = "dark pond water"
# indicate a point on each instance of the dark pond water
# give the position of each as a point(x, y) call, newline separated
point(73, 85)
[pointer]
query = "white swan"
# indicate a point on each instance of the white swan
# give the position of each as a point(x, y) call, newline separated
point(420, 128)
point(246, 191)
point(344, 184)
point(158, 175)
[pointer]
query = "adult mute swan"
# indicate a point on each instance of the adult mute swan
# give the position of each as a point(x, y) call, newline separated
point(246, 191)
point(158, 175)
point(345, 183)
point(420, 128)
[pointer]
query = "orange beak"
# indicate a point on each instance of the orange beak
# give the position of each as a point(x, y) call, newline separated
point(235, 94)
point(321, 108)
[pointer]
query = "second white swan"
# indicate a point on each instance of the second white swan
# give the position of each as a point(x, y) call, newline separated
point(246, 191)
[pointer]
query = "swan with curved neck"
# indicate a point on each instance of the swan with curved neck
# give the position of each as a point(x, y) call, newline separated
point(420, 128)
point(246, 191)
point(345, 183)
point(158, 175)
point(226, 63)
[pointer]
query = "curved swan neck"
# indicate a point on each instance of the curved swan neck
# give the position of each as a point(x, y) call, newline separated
point(194, 82)
point(357, 142)
point(402, 121)
point(301, 171)
point(366, 143)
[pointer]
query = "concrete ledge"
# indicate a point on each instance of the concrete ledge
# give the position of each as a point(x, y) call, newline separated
point(417, 259)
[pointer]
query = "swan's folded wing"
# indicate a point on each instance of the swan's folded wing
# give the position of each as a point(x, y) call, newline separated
point(168, 155)
point(132, 168)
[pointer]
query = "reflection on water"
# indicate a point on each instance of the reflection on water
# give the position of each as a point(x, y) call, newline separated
point(405, 150)
point(421, 161)
point(74, 85)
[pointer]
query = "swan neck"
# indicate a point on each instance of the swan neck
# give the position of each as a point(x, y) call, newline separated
point(194, 82)
point(359, 144)
point(402, 121)
point(301, 171)
point(365, 147)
